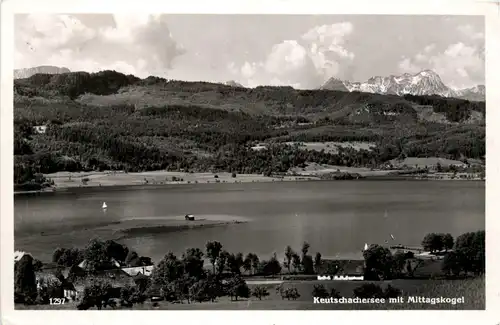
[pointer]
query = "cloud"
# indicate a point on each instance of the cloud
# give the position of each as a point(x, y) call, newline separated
point(138, 44)
point(429, 48)
point(469, 31)
point(306, 62)
point(406, 65)
point(460, 64)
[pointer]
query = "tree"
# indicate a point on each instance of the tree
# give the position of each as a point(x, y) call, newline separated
point(255, 262)
point(237, 287)
point(399, 262)
point(181, 286)
point(145, 261)
point(448, 241)
point(308, 264)
point(57, 254)
point(378, 263)
point(335, 294)
point(96, 294)
point(134, 260)
point(204, 290)
point(260, 292)
point(320, 291)
point(142, 282)
point(247, 263)
point(222, 262)
point(167, 271)
point(433, 242)
point(317, 263)
point(37, 265)
point(213, 251)
point(131, 295)
point(251, 263)
point(305, 248)
point(412, 265)
point(439, 168)
point(235, 262)
point(470, 248)
point(96, 256)
point(391, 292)
point(452, 263)
point(331, 267)
point(271, 267)
point(117, 251)
point(369, 290)
point(68, 257)
point(49, 288)
point(25, 290)
point(193, 263)
point(125, 295)
point(288, 257)
point(291, 293)
point(296, 262)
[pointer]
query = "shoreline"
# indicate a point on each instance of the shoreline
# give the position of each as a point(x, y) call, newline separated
point(70, 181)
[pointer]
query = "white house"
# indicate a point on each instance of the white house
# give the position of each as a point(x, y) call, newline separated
point(40, 128)
point(70, 292)
point(144, 270)
point(18, 255)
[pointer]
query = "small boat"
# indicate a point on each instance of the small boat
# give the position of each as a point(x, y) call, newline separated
point(104, 206)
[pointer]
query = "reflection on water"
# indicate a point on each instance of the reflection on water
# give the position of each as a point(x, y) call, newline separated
point(336, 218)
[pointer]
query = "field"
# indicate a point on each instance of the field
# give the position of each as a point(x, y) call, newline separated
point(111, 178)
point(423, 162)
point(473, 290)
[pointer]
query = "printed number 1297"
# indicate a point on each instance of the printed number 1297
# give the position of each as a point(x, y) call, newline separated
point(56, 301)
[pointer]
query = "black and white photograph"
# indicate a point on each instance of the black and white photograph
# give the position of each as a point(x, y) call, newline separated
point(169, 161)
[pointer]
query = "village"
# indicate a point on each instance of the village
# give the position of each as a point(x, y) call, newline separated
point(71, 283)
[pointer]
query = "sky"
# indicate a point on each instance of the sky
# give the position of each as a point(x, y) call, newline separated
point(300, 51)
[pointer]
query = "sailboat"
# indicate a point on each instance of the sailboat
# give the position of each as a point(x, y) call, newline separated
point(366, 247)
point(104, 206)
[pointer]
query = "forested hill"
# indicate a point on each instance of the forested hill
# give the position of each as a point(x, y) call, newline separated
point(109, 120)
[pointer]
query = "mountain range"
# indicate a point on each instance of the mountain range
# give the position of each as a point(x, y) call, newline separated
point(426, 82)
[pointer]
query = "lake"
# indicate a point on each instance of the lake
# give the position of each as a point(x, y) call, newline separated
point(336, 218)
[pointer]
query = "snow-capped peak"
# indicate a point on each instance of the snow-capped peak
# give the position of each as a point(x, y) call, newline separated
point(425, 82)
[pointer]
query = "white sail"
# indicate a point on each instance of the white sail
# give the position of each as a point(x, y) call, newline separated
point(366, 247)
point(104, 206)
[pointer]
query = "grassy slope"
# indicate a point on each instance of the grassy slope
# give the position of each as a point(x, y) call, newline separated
point(110, 101)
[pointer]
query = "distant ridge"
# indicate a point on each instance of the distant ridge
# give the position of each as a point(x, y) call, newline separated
point(334, 84)
point(233, 83)
point(45, 69)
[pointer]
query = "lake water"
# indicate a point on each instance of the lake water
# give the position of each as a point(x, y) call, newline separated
point(336, 218)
